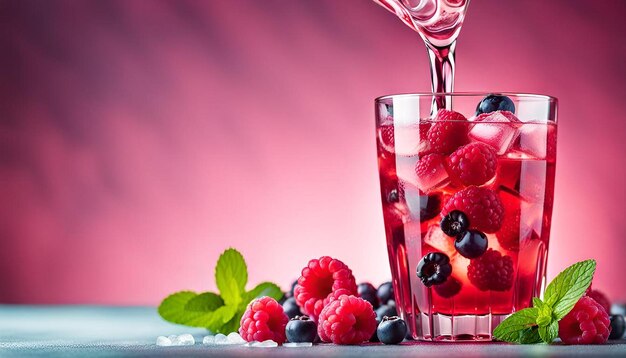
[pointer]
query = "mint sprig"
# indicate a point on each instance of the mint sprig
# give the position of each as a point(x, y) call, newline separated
point(540, 323)
point(219, 313)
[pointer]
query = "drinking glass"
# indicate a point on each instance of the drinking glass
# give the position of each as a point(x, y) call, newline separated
point(507, 193)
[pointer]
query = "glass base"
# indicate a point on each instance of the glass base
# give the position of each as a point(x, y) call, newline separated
point(461, 328)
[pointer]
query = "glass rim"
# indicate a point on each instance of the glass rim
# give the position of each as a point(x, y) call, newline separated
point(530, 96)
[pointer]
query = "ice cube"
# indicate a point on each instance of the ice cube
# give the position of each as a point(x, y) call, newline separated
point(174, 339)
point(298, 345)
point(533, 140)
point(235, 338)
point(431, 173)
point(264, 344)
point(440, 241)
point(221, 339)
point(498, 129)
point(459, 267)
point(163, 341)
point(186, 340)
point(407, 140)
point(208, 340)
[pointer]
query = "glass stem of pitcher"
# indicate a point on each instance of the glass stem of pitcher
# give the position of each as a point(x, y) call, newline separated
point(442, 67)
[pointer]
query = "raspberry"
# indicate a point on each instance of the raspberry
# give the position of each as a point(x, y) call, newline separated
point(600, 298)
point(482, 206)
point(491, 271)
point(473, 164)
point(322, 281)
point(508, 235)
point(587, 323)
point(264, 319)
point(347, 320)
point(451, 287)
point(448, 132)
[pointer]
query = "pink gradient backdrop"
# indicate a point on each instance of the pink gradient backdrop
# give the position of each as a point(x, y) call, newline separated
point(139, 139)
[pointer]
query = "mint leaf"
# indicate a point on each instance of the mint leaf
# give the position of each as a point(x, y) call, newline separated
point(567, 288)
point(204, 302)
point(172, 309)
point(537, 302)
point(219, 313)
point(232, 325)
point(529, 335)
point(549, 333)
point(231, 276)
point(509, 329)
point(545, 315)
point(263, 289)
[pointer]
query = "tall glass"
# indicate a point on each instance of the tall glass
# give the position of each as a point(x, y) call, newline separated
point(432, 163)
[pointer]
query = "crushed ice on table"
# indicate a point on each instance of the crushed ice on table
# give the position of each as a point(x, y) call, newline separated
point(186, 340)
point(208, 340)
point(221, 339)
point(264, 344)
point(298, 345)
point(174, 339)
point(163, 341)
point(498, 129)
point(235, 338)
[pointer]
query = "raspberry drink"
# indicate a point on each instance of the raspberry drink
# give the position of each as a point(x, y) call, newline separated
point(467, 201)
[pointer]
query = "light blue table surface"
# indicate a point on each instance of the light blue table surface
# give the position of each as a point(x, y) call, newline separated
point(96, 331)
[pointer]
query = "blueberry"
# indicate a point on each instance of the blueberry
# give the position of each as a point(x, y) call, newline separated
point(385, 292)
point(434, 268)
point(393, 196)
point(293, 287)
point(301, 329)
point(471, 244)
point(291, 308)
point(455, 223)
point(368, 292)
point(391, 330)
point(385, 311)
point(494, 102)
point(430, 206)
point(617, 327)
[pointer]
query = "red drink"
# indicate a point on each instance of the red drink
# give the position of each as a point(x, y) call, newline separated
point(520, 182)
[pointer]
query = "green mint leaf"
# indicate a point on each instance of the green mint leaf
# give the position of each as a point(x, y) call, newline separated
point(216, 320)
point(549, 333)
point(172, 309)
point(231, 276)
point(568, 286)
point(537, 302)
point(263, 289)
point(545, 315)
point(204, 302)
point(509, 329)
point(529, 335)
point(231, 326)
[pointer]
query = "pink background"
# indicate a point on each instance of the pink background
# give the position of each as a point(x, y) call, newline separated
point(139, 139)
